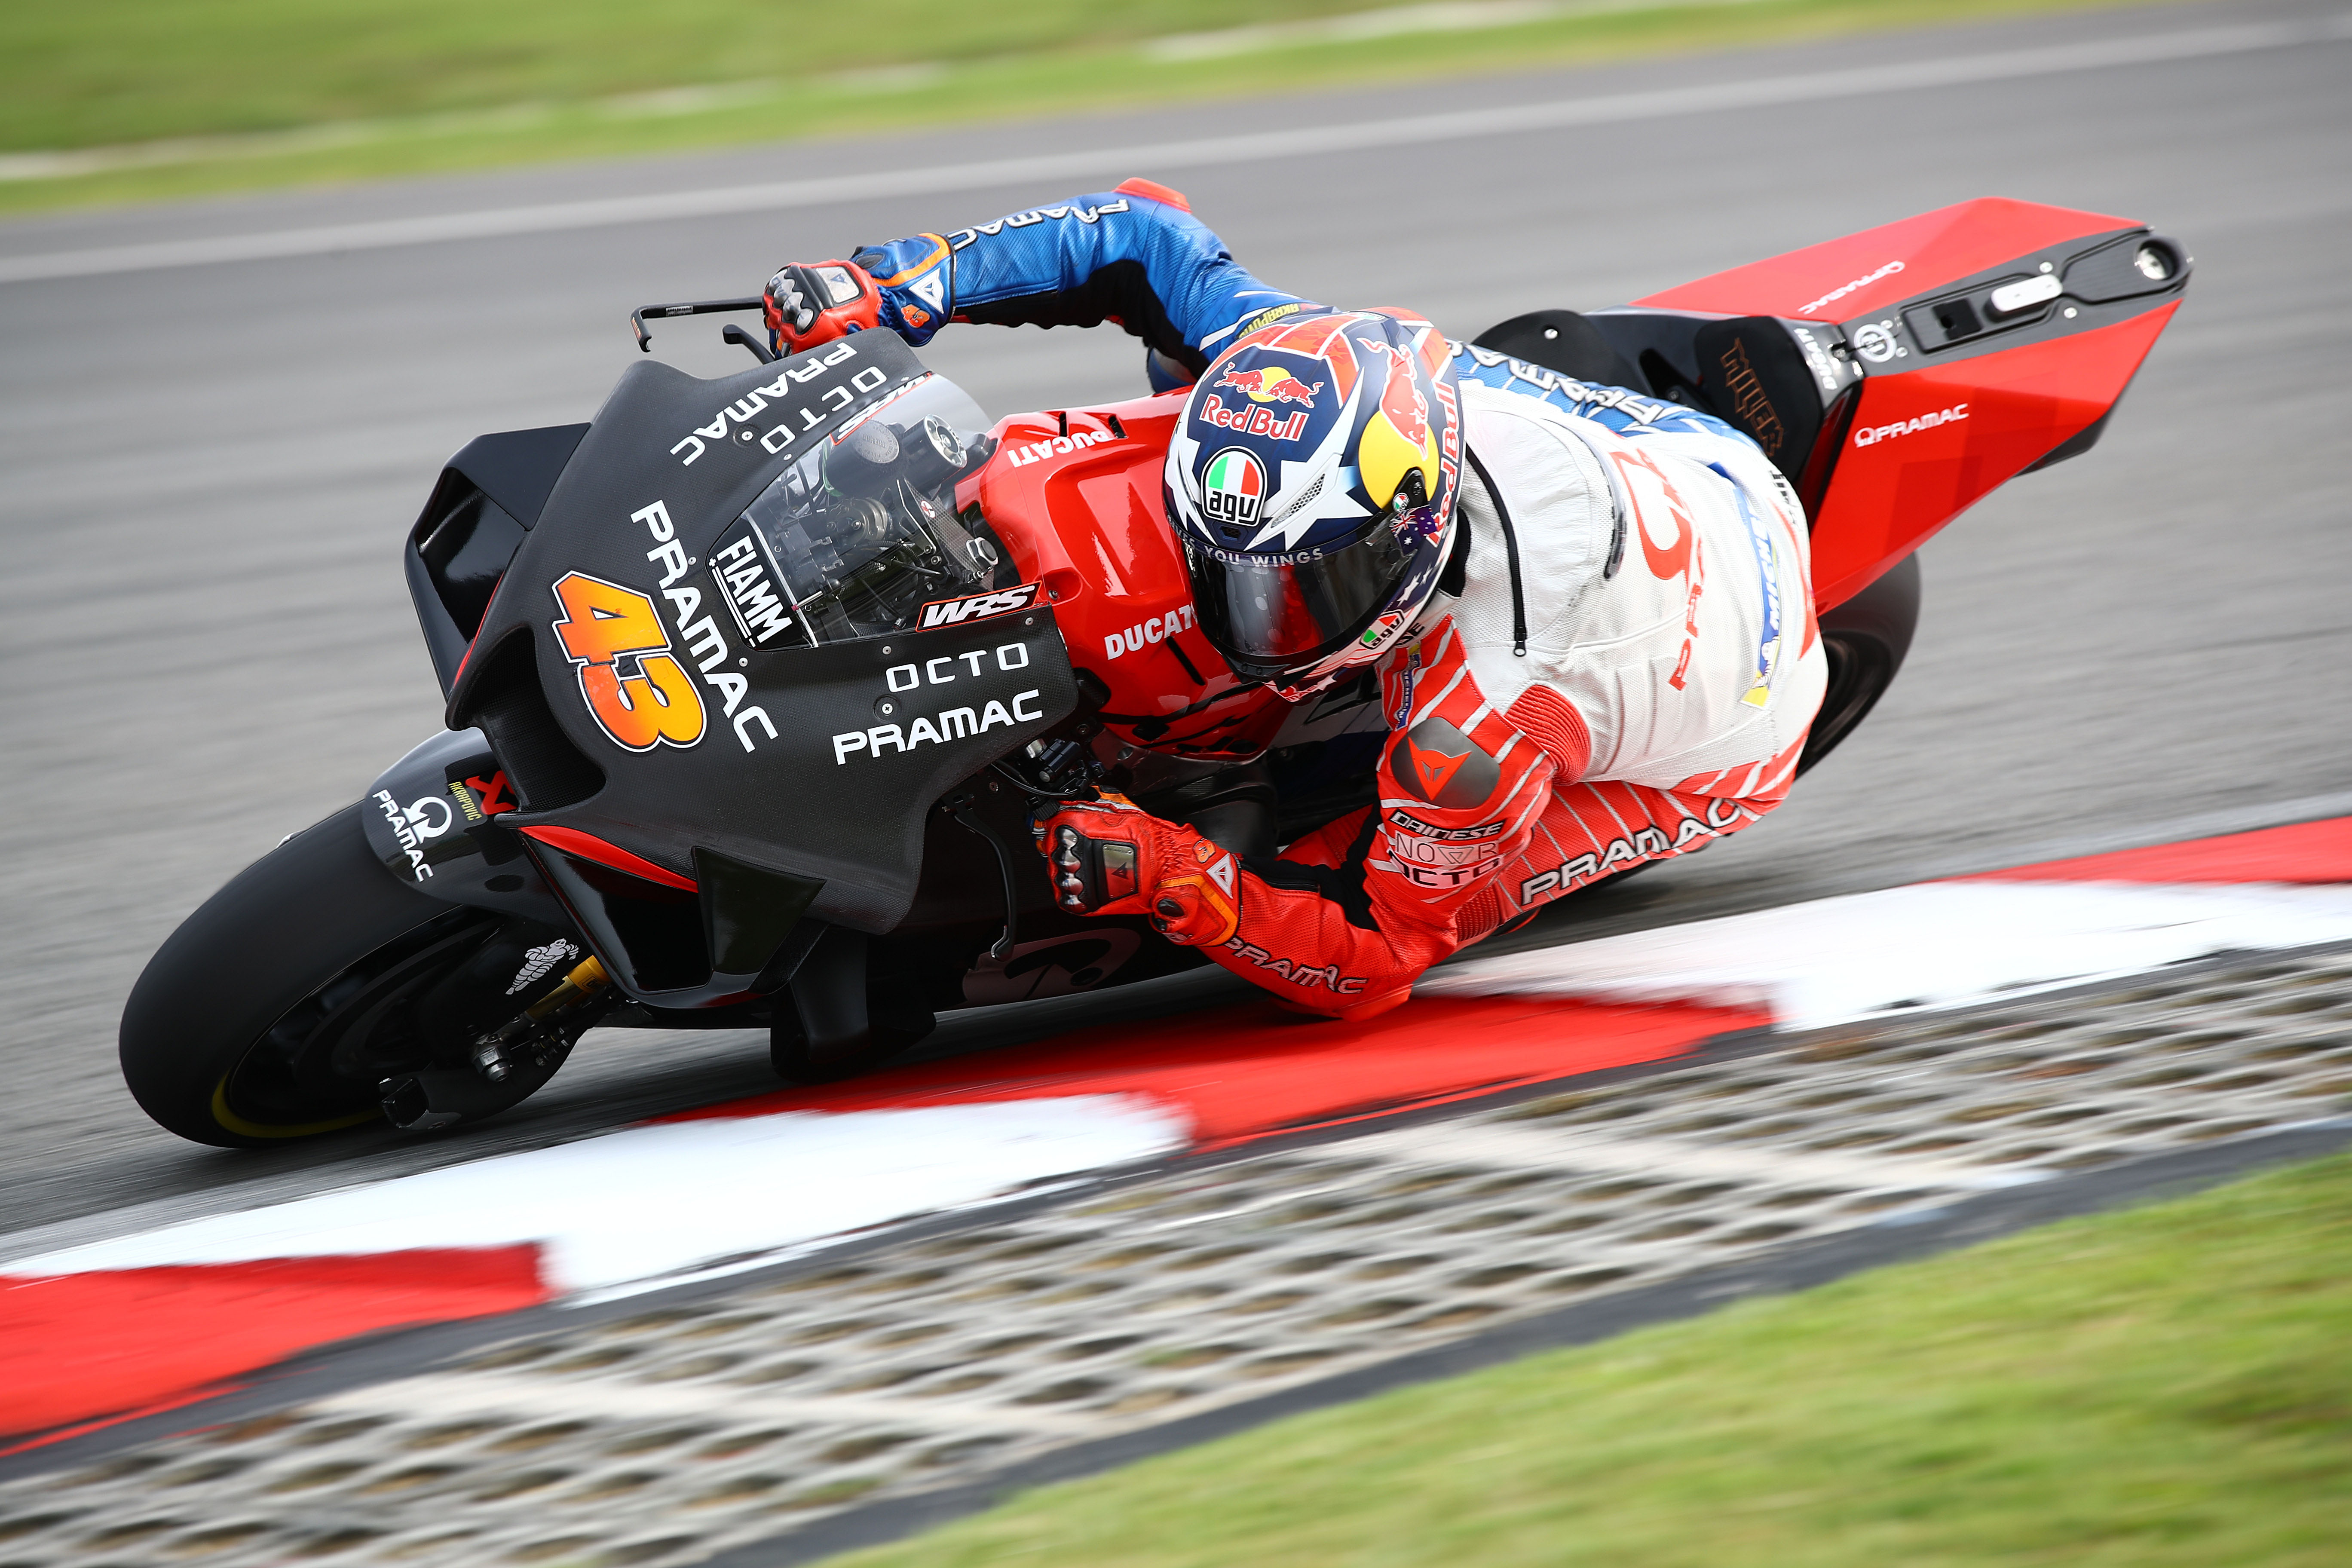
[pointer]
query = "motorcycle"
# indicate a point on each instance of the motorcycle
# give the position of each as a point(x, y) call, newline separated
point(755, 683)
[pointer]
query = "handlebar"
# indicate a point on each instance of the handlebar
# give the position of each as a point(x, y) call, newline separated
point(689, 308)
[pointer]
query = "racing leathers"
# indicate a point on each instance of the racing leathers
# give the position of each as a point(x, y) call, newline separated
point(1669, 670)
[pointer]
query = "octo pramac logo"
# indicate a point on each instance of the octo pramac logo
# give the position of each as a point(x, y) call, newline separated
point(635, 688)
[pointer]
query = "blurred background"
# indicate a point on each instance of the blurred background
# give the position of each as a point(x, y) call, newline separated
point(133, 99)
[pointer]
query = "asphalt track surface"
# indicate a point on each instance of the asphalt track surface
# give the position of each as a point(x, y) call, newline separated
point(209, 468)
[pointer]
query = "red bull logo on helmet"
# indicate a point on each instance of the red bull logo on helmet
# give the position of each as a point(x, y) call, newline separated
point(1248, 421)
point(1401, 401)
point(1270, 383)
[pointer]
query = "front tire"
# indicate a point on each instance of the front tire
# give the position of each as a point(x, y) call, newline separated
point(278, 1008)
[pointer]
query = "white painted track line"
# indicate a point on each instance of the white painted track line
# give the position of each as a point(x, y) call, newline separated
point(608, 1399)
point(656, 1203)
point(627, 1211)
point(1162, 157)
point(1932, 944)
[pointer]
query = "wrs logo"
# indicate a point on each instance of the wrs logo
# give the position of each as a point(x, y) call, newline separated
point(635, 688)
point(978, 606)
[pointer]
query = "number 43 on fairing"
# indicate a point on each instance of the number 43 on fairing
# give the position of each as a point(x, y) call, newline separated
point(604, 625)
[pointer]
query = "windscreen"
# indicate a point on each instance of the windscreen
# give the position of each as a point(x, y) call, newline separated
point(864, 527)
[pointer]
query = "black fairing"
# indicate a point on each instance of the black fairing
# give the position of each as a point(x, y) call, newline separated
point(1567, 341)
point(488, 497)
point(770, 786)
point(439, 819)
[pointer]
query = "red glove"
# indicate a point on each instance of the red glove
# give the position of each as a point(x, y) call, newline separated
point(814, 302)
point(1112, 858)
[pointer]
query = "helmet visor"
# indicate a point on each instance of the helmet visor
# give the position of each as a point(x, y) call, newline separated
point(1267, 613)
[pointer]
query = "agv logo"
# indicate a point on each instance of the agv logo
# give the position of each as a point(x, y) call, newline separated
point(1234, 488)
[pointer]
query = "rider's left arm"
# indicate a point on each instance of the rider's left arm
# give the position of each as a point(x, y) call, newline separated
point(1135, 254)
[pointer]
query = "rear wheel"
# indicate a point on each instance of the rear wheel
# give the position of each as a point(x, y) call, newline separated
point(1865, 639)
point(278, 1009)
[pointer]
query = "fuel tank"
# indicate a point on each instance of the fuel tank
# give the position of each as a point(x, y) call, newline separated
point(1074, 494)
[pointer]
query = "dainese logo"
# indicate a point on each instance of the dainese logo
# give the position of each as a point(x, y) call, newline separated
point(635, 688)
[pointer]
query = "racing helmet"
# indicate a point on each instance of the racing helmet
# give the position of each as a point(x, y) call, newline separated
point(1311, 481)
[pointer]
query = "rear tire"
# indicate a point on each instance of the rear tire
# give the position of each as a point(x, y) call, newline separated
point(1866, 639)
point(278, 1008)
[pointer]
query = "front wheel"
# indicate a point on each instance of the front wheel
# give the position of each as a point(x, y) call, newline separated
point(280, 1008)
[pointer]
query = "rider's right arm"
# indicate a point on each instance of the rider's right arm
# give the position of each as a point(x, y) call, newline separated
point(1136, 256)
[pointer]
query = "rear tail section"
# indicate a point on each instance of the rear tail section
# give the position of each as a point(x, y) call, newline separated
point(1899, 375)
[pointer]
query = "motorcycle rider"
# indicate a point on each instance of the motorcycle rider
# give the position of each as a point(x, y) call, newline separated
point(1589, 611)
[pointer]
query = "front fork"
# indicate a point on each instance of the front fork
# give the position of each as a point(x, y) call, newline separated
point(530, 1045)
point(548, 1027)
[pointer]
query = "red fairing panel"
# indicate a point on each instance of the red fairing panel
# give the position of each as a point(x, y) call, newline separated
point(1841, 279)
point(1933, 428)
point(1927, 443)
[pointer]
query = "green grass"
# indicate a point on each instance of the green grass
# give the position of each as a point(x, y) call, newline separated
point(2167, 1386)
point(320, 91)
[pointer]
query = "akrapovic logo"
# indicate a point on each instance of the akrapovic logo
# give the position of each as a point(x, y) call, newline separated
point(979, 607)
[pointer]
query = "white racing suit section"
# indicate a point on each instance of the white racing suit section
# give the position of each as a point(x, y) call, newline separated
point(1671, 670)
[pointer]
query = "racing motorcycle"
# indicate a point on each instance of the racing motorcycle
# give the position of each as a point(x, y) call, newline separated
point(755, 683)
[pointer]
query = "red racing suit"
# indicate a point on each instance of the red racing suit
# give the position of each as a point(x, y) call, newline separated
point(1671, 670)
